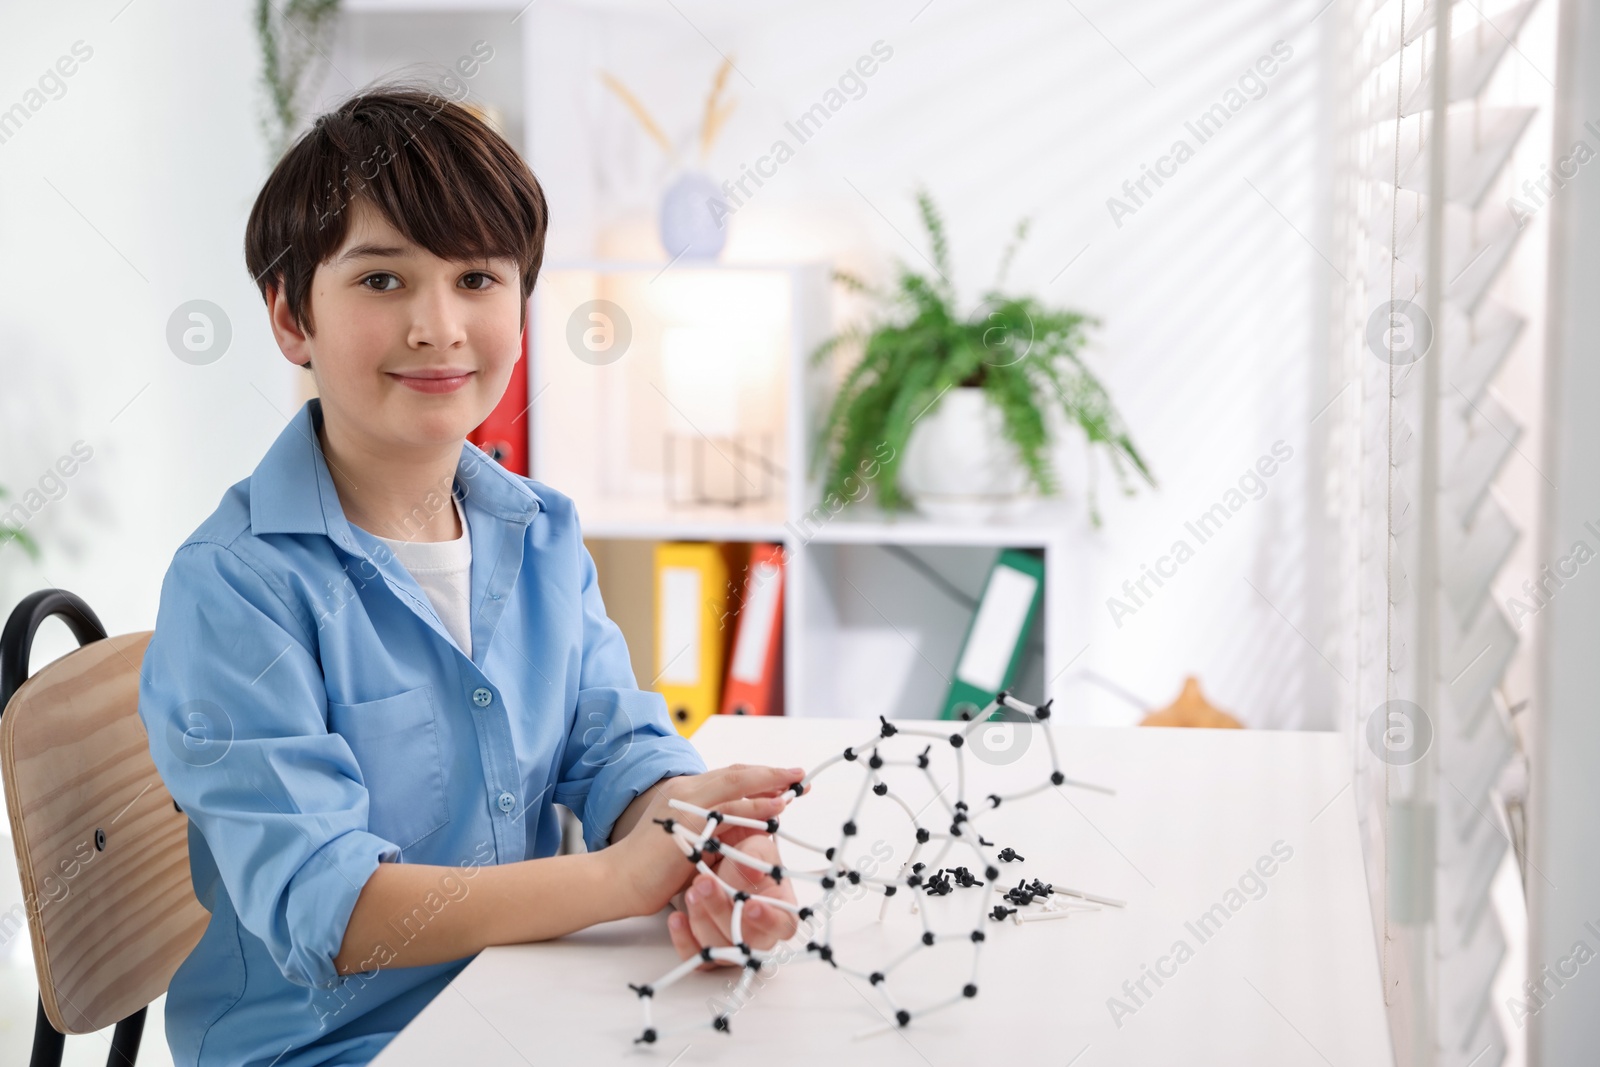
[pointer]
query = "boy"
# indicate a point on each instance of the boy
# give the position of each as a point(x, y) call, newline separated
point(383, 657)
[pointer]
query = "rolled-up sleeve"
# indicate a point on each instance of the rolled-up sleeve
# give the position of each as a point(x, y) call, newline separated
point(234, 702)
point(622, 740)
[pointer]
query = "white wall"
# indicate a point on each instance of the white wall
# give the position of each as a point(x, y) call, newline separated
point(120, 200)
point(1211, 293)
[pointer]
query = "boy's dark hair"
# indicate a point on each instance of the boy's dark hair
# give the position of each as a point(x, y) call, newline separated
point(436, 171)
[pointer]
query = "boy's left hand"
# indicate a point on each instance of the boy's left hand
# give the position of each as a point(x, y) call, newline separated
point(707, 918)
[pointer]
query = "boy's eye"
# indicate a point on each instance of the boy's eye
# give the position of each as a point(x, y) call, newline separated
point(485, 280)
point(379, 288)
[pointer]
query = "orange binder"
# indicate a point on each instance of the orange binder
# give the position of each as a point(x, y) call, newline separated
point(755, 670)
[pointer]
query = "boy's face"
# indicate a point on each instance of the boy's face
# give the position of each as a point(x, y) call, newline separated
point(391, 319)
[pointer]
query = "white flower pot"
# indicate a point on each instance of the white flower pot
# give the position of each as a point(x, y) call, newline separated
point(959, 466)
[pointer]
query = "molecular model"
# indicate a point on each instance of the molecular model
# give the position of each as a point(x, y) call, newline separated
point(1024, 902)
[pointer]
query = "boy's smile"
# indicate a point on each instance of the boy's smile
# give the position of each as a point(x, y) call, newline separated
point(434, 379)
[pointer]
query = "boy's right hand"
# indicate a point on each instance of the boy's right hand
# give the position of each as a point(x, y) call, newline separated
point(650, 866)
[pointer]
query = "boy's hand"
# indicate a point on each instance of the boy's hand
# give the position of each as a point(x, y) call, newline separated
point(708, 916)
point(650, 866)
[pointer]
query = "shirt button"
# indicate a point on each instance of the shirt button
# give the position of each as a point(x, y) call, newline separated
point(482, 697)
point(507, 802)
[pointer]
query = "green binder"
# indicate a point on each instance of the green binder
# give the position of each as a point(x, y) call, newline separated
point(992, 649)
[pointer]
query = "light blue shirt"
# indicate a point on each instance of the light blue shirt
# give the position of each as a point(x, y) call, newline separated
point(313, 717)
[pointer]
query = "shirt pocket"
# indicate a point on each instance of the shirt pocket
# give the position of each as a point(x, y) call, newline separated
point(396, 744)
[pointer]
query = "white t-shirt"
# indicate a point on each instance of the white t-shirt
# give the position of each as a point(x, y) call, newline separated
point(444, 570)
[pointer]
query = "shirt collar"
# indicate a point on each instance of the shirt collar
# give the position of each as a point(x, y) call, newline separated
point(291, 490)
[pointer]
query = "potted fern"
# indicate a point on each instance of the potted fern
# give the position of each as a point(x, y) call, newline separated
point(954, 413)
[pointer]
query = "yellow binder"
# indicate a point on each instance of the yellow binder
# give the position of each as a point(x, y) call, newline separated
point(692, 628)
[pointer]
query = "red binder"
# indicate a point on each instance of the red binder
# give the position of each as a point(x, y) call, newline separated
point(504, 434)
point(755, 668)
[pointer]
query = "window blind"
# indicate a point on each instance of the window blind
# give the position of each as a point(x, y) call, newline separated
point(1425, 132)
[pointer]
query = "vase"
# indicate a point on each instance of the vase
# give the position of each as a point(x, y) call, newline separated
point(960, 467)
point(694, 217)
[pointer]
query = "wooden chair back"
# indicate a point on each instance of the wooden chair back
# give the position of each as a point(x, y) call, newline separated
point(102, 849)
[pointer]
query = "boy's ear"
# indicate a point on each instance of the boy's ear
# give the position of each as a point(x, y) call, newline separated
point(290, 337)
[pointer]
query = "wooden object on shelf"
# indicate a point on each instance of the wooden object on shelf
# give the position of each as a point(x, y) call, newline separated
point(1192, 709)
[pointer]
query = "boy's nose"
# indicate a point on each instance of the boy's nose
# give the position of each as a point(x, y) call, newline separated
point(436, 321)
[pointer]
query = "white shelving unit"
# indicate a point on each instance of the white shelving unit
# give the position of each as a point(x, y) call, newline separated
point(877, 605)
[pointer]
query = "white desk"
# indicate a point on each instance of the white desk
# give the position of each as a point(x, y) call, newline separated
point(1289, 978)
